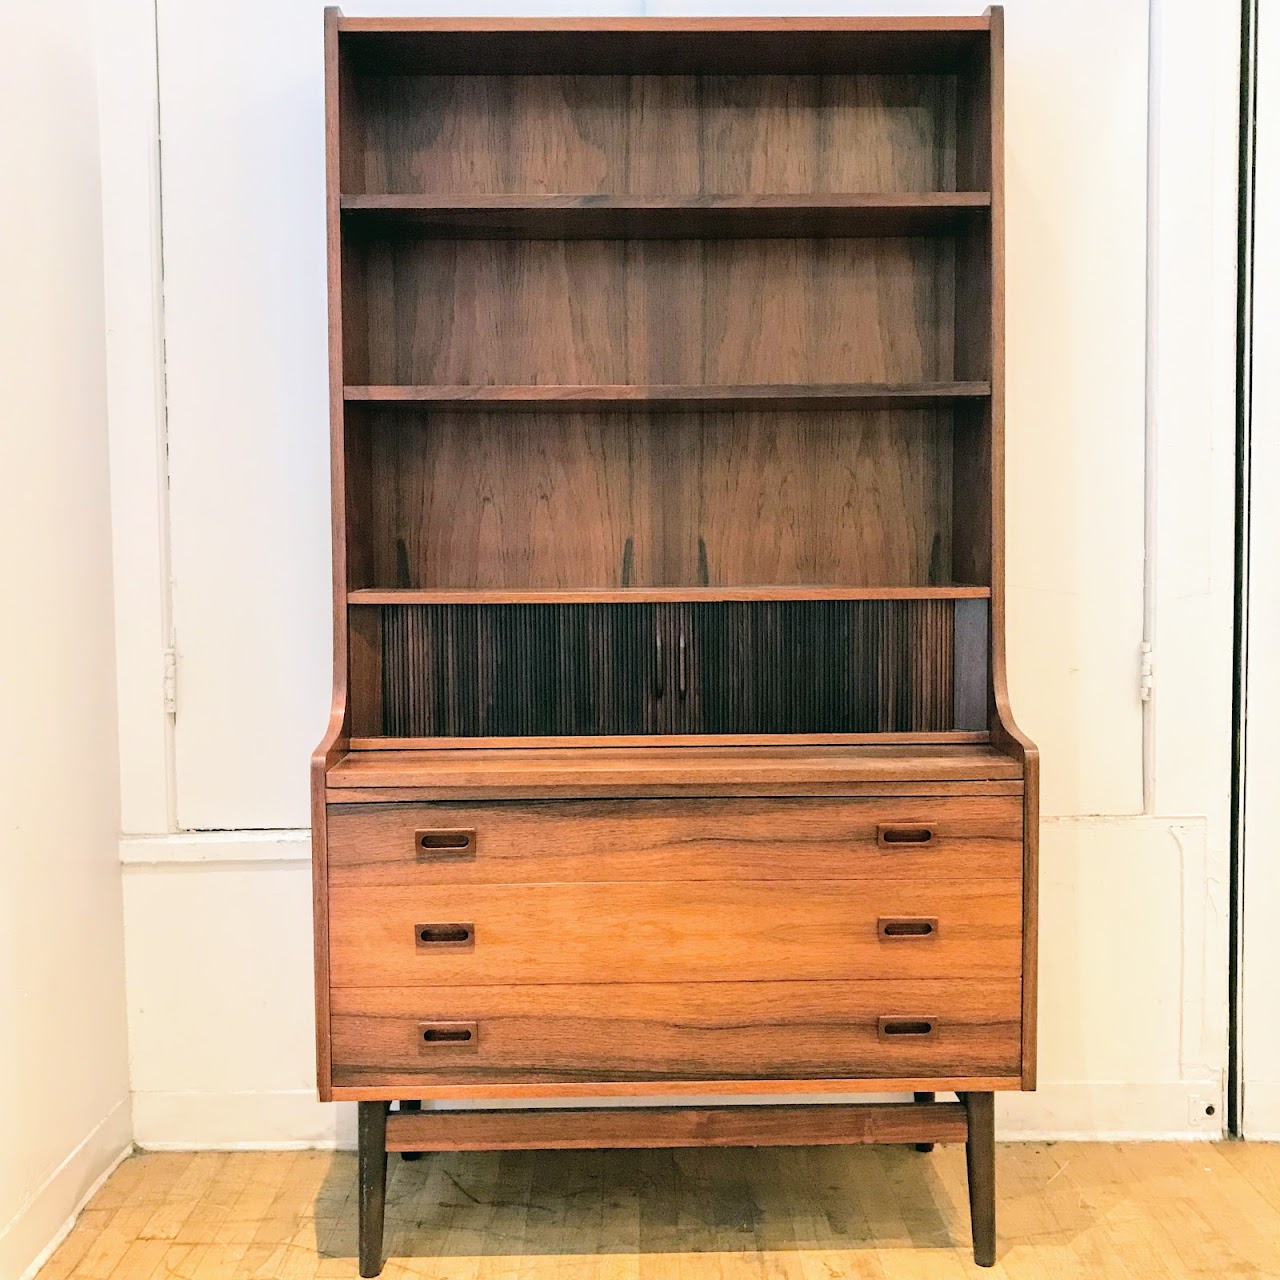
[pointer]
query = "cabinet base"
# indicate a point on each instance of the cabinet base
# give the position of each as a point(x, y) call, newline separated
point(924, 1122)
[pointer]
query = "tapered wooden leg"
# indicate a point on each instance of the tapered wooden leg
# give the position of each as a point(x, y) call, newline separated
point(925, 1097)
point(372, 1131)
point(980, 1157)
point(410, 1106)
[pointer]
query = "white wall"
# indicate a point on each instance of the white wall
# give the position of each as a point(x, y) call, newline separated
point(1261, 959)
point(1112, 331)
point(64, 1089)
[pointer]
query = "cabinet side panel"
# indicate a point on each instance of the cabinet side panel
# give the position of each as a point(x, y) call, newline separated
point(975, 156)
point(972, 673)
point(332, 744)
point(971, 537)
point(366, 676)
point(1005, 733)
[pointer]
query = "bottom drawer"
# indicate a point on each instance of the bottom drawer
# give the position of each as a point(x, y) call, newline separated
point(674, 1031)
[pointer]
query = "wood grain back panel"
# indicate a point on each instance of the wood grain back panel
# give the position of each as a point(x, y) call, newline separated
point(663, 931)
point(658, 135)
point(694, 1031)
point(968, 837)
point(658, 311)
point(514, 500)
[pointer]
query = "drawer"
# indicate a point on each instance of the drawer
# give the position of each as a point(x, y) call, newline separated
point(673, 931)
point(708, 1031)
point(960, 837)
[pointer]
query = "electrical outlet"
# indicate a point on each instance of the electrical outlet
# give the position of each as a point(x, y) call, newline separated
point(1204, 1112)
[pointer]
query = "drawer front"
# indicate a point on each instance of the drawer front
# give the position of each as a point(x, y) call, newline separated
point(962, 837)
point(690, 931)
point(708, 1031)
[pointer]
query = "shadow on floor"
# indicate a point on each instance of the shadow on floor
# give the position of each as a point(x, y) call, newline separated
point(695, 1200)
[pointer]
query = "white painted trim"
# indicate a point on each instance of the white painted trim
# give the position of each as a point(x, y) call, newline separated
point(292, 1119)
point(1111, 1111)
point(266, 1120)
point(1262, 1110)
point(129, 128)
point(201, 848)
point(1151, 452)
point(1260, 870)
point(1191, 484)
point(29, 1238)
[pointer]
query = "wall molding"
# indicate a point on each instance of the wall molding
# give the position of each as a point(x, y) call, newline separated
point(29, 1238)
point(1262, 1110)
point(133, 300)
point(292, 1119)
point(1259, 1031)
point(203, 848)
point(265, 1120)
point(1112, 1111)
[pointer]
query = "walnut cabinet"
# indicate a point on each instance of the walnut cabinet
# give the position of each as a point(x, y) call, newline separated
point(670, 752)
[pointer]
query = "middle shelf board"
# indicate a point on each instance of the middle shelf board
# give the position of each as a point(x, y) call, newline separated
point(627, 217)
point(675, 398)
point(652, 595)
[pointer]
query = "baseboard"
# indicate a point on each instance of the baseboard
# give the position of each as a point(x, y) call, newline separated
point(1262, 1110)
point(293, 1119)
point(1103, 1111)
point(270, 1120)
point(42, 1223)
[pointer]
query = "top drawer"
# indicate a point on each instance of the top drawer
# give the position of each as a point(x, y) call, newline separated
point(968, 837)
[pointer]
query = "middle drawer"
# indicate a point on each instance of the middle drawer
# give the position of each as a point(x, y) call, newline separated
point(687, 931)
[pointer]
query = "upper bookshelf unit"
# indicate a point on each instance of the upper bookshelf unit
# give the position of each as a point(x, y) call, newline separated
point(666, 375)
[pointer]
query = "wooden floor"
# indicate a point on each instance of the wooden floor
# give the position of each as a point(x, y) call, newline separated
point(1133, 1212)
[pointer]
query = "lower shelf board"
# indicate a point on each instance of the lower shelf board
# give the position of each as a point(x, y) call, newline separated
point(820, 1124)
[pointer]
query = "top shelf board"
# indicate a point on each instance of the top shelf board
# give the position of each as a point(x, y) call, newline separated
point(619, 217)
point(674, 46)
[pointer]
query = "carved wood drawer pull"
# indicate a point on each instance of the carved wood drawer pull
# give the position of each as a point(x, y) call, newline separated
point(893, 928)
point(445, 842)
point(433, 1036)
point(889, 836)
point(431, 936)
point(907, 1028)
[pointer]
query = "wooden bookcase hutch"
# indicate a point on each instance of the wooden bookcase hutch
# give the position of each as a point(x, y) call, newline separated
point(670, 750)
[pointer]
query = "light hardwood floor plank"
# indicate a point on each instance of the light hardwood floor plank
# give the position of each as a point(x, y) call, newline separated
point(1123, 1212)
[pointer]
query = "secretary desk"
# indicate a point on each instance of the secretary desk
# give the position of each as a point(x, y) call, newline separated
point(670, 754)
